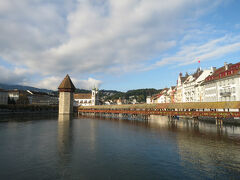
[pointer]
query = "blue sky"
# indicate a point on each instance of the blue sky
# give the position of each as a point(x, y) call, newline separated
point(111, 44)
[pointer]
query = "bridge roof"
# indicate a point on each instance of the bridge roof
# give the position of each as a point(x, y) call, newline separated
point(82, 96)
point(190, 105)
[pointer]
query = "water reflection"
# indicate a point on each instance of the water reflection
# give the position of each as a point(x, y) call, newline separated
point(212, 149)
point(208, 149)
point(64, 144)
point(195, 127)
point(97, 148)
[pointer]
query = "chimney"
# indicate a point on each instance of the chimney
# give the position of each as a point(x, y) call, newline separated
point(213, 69)
point(226, 66)
point(180, 74)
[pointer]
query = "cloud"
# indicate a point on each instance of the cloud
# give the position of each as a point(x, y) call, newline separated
point(53, 82)
point(22, 76)
point(210, 50)
point(88, 37)
point(58, 37)
point(90, 83)
point(14, 76)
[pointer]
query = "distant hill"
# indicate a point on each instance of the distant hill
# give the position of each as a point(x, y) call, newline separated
point(20, 87)
point(139, 94)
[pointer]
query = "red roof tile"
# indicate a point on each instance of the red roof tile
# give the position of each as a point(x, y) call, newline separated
point(83, 96)
point(220, 73)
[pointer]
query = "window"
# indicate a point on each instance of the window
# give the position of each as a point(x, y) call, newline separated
point(234, 98)
point(233, 89)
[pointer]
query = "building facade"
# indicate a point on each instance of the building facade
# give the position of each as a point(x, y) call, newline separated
point(210, 85)
point(223, 84)
point(3, 97)
point(179, 87)
point(171, 95)
point(161, 97)
point(192, 87)
point(86, 99)
point(14, 94)
point(41, 98)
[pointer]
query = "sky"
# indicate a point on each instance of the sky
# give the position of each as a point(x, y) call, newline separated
point(117, 45)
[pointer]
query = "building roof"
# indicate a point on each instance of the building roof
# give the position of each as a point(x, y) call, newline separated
point(193, 76)
point(156, 96)
point(188, 105)
point(183, 78)
point(82, 96)
point(225, 71)
point(67, 83)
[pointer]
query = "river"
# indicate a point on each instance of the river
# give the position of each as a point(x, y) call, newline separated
point(97, 148)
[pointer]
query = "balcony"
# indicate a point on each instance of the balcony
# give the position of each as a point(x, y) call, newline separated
point(225, 94)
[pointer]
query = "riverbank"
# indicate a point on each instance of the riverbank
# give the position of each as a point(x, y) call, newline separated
point(26, 107)
point(11, 110)
point(29, 116)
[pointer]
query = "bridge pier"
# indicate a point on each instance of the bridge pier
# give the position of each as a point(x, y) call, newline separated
point(219, 121)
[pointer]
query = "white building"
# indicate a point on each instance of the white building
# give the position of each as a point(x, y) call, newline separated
point(192, 87)
point(14, 94)
point(223, 84)
point(179, 87)
point(161, 97)
point(199, 88)
point(3, 97)
point(148, 100)
point(86, 99)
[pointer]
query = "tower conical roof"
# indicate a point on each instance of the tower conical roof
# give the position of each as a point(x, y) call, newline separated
point(67, 84)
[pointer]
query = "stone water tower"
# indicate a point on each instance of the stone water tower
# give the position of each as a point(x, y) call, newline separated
point(66, 90)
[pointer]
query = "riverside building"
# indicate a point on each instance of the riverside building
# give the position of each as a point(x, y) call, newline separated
point(223, 84)
point(3, 97)
point(193, 86)
point(86, 99)
point(210, 85)
point(159, 98)
point(179, 87)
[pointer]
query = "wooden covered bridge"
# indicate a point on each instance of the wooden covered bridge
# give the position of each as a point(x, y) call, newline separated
point(227, 109)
